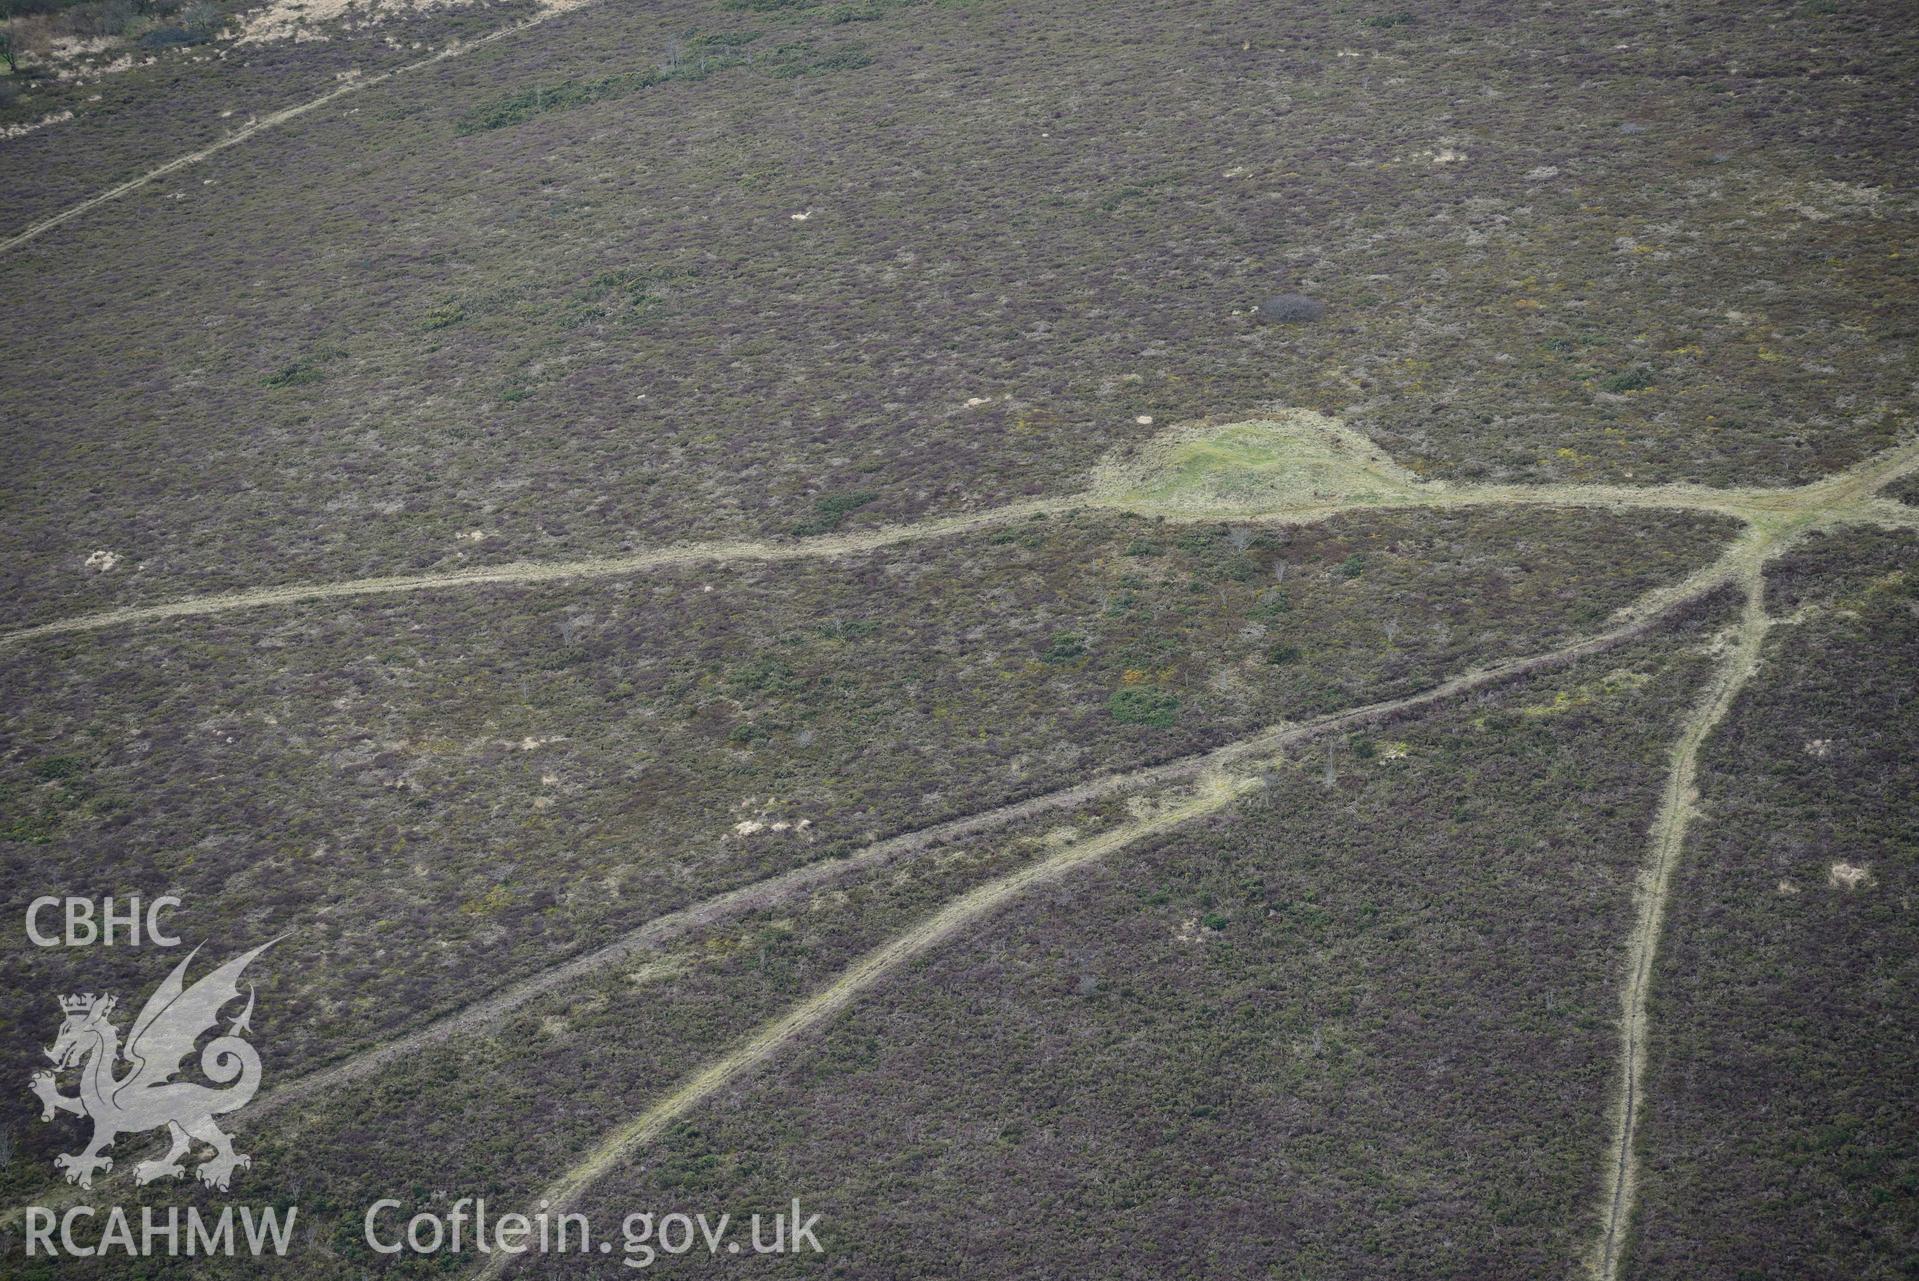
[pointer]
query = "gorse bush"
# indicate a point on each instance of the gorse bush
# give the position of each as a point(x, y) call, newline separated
point(693, 59)
point(520, 107)
point(1144, 705)
point(624, 294)
point(829, 511)
point(1065, 647)
point(1290, 309)
point(444, 316)
point(1271, 604)
point(57, 767)
point(1631, 380)
point(297, 374)
point(762, 676)
point(693, 64)
point(800, 60)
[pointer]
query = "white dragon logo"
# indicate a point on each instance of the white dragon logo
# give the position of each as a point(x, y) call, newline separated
point(145, 1098)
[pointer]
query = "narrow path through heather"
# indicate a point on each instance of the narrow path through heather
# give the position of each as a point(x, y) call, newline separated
point(261, 124)
point(1677, 806)
point(1848, 496)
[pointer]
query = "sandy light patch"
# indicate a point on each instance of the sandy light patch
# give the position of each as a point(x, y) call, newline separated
point(1850, 876)
point(68, 57)
point(530, 743)
point(779, 827)
point(1827, 199)
point(83, 73)
point(68, 48)
point(15, 131)
point(300, 19)
point(656, 971)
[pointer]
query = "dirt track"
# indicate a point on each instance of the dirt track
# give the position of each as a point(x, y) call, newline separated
point(862, 975)
point(788, 886)
point(1217, 787)
point(534, 572)
point(1845, 497)
point(256, 126)
point(1677, 806)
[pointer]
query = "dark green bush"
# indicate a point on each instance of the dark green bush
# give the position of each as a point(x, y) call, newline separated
point(1065, 648)
point(829, 511)
point(1631, 380)
point(53, 767)
point(800, 61)
point(1144, 705)
point(1271, 604)
point(445, 316)
point(298, 374)
point(1290, 309)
